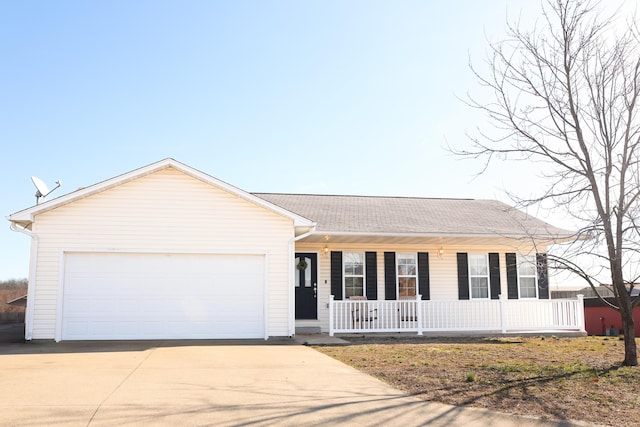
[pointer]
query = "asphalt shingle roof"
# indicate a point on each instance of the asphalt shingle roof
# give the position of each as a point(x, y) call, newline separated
point(399, 215)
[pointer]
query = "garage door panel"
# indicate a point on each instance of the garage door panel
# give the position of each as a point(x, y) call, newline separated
point(156, 296)
point(77, 329)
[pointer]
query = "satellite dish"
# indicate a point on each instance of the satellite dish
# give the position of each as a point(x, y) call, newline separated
point(40, 186)
point(42, 189)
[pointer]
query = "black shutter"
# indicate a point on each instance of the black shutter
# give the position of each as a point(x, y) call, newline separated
point(336, 275)
point(494, 274)
point(463, 276)
point(389, 275)
point(543, 276)
point(371, 267)
point(512, 275)
point(423, 275)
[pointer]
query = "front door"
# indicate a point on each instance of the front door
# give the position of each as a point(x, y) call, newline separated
point(306, 275)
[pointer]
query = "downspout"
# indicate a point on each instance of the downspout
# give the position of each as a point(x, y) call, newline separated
point(28, 316)
point(292, 325)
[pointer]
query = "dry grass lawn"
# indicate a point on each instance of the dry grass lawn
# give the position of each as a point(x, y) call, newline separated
point(555, 378)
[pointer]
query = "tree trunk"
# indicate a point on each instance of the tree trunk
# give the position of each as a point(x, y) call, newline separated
point(625, 305)
point(628, 329)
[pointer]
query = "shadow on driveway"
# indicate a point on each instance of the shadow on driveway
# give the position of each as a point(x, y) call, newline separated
point(11, 333)
point(210, 383)
point(12, 342)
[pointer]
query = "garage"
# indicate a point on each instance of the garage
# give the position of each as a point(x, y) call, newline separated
point(126, 296)
point(164, 251)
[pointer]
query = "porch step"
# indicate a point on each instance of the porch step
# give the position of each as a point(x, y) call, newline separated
point(308, 329)
point(319, 339)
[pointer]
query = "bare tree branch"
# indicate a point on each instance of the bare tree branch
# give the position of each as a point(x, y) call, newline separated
point(565, 95)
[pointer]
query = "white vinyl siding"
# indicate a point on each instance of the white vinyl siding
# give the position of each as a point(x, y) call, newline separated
point(166, 211)
point(527, 276)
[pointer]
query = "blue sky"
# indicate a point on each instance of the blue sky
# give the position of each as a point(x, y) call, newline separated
point(334, 97)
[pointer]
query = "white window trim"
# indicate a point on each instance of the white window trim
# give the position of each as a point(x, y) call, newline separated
point(364, 273)
point(415, 257)
point(535, 274)
point(488, 276)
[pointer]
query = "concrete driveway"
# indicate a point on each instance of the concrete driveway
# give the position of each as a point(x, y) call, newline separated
point(207, 383)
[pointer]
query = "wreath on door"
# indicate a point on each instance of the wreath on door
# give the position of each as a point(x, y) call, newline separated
point(302, 265)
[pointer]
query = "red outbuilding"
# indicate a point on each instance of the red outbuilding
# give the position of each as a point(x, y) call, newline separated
point(599, 318)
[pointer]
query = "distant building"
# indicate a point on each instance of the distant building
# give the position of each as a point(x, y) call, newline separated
point(600, 318)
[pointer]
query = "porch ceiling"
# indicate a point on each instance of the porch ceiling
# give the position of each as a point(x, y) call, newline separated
point(415, 239)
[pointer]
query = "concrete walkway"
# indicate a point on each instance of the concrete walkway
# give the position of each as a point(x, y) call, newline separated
point(208, 383)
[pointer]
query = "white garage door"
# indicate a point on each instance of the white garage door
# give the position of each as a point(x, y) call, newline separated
point(162, 296)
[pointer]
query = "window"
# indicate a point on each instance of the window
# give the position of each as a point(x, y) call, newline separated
point(479, 275)
point(303, 271)
point(406, 265)
point(527, 276)
point(353, 274)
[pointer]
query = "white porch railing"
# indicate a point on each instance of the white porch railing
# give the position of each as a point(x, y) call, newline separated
point(501, 315)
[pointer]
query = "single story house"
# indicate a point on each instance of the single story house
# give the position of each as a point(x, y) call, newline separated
point(169, 252)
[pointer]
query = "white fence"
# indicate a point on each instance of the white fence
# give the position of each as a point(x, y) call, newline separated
point(415, 315)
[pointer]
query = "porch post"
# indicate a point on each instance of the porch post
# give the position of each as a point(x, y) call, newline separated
point(503, 320)
point(419, 313)
point(331, 326)
point(580, 314)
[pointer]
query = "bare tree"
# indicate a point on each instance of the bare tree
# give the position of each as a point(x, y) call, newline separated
point(565, 94)
point(14, 284)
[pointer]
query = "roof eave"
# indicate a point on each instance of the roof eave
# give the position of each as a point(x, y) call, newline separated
point(547, 237)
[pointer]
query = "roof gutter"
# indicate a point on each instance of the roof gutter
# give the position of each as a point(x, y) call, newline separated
point(28, 318)
point(291, 287)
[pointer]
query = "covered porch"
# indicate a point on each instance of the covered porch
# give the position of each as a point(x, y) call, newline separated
point(419, 316)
